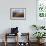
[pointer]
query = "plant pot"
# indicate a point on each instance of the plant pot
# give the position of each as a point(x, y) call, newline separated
point(42, 40)
point(38, 40)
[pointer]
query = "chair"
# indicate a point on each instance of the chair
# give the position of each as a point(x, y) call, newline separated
point(26, 37)
point(14, 32)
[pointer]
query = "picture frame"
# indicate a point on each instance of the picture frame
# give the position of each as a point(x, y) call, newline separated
point(40, 12)
point(17, 13)
point(41, 9)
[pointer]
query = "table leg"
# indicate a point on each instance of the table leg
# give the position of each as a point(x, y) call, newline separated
point(5, 40)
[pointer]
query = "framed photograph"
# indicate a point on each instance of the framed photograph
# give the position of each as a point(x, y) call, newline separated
point(41, 9)
point(17, 13)
point(41, 12)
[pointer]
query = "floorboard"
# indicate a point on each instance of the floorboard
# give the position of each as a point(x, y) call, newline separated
point(13, 44)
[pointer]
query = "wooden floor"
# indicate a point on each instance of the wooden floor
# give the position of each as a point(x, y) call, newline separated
point(13, 44)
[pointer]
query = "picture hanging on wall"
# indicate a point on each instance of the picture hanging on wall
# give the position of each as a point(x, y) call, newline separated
point(41, 12)
point(17, 13)
point(41, 8)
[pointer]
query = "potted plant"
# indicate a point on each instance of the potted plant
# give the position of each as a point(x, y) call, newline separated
point(38, 27)
point(35, 26)
point(39, 36)
point(42, 27)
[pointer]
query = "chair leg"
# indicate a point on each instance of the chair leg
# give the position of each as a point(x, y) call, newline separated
point(5, 43)
point(5, 40)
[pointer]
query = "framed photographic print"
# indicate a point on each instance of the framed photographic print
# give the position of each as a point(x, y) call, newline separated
point(41, 12)
point(17, 13)
point(41, 8)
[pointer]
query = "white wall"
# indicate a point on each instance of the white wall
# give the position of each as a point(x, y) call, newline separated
point(24, 25)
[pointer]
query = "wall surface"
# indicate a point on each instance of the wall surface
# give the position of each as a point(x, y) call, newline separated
point(24, 25)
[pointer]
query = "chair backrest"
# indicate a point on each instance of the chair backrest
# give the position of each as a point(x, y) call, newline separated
point(14, 30)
